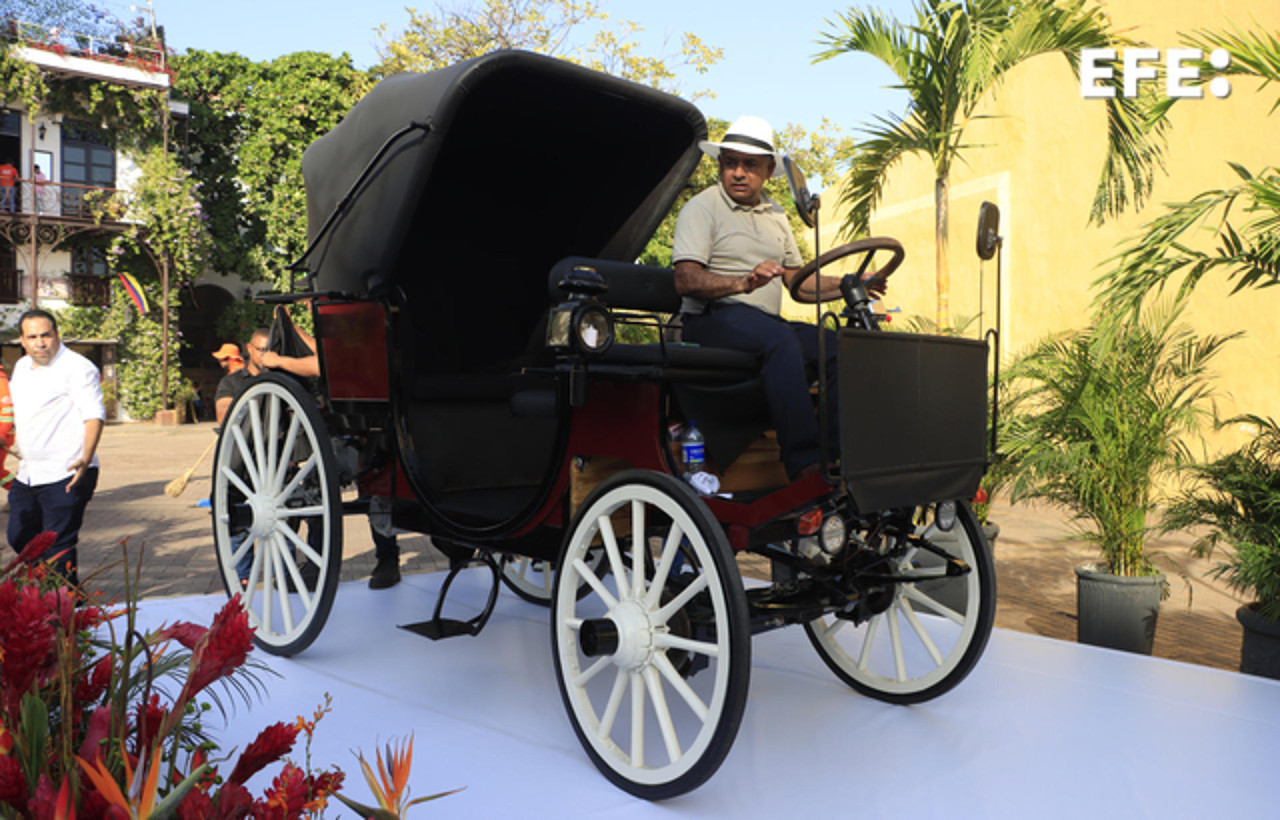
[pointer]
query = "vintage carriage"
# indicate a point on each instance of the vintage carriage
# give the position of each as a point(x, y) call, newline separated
point(473, 232)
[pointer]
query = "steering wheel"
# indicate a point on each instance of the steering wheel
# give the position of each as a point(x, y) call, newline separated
point(868, 248)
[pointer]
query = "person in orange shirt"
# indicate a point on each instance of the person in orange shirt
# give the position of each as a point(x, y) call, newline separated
point(6, 429)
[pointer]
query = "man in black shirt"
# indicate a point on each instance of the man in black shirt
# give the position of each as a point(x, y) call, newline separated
point(238, 373)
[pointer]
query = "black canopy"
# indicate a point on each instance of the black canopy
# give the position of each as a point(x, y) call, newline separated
point(524, 160)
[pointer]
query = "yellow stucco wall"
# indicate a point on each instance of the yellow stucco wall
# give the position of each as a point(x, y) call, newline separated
point(1040, 162)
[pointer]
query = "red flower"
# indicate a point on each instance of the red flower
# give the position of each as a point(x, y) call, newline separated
point(26, 640)
point(286, 798)
point(271, 744)
point(150, 716)
point(197, 805)
point(223, 650)
point(34, 549)
point(980, 497)
point(13, 785)
point(232, 803)
point(187, 634)
point(99, 728)
point(92, 684)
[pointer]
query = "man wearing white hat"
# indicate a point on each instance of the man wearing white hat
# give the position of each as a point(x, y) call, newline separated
point(733, 251)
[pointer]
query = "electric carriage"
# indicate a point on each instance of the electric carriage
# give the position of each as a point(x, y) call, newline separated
point(472, 233)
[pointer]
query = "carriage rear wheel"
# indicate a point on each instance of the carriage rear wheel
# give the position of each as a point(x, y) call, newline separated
point(926, 635)
point(275, 475)
point(653, 663)
point(533, 578)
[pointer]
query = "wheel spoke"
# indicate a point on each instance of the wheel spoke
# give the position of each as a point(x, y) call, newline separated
point(665, 640)
point(615, 558)
point(259, 441)
point(304, 512)
point(674, 605)
point(611, 708)
point(595, 583)
point(303, 471)
point(591, 671)
point(237, 482)
point(299, 542)
point(637, 720)
point(278, 557)
point(658, 697)
point(290, 440)
point(681, 686)
point(250, 466)
point(873, 630)
point(639, 547)
point(895, 640)
point(273, 427)
point(919, 629)
point(945, 611)
point(670, 549)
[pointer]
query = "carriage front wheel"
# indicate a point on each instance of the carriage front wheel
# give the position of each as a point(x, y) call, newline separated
point(653, 663)
point(922, 635)
point(277, 513)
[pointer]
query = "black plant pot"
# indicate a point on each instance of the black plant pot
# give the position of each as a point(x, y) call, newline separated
point(1260, 647)
point(1117, 612)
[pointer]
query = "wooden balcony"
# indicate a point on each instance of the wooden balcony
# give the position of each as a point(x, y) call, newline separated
point(88, 290)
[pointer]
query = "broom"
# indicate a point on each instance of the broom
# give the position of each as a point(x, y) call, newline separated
point(174, 488)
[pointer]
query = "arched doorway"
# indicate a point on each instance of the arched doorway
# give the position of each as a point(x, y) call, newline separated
point(198, 313)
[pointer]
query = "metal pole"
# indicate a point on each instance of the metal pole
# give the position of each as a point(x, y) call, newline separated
point(164, 285)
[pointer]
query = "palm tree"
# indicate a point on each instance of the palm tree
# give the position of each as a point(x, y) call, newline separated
point(1093, 420)
point(1247, 249)
point(948, 61)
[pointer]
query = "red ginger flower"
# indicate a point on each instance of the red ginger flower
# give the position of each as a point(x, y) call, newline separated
point(26, 640)
point(222, 650)
point(185, 633)
point(13, 784)
point(99, 729)
point(232, 803)
point(150, 716)
point(34, 549)
point(93, 683)
point(271, 744)
point(287, 797)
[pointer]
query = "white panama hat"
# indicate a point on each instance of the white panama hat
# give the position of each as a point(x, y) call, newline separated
point(747, 135)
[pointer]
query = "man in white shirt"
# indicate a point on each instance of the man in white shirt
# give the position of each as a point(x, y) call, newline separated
point(58, 415)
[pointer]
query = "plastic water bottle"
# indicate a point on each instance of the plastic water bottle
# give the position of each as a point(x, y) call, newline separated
point(693, 450)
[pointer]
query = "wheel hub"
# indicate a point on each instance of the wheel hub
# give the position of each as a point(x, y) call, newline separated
point(264, 514)
point(634, 635)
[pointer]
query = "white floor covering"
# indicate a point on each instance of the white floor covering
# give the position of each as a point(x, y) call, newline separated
point(1041, 728)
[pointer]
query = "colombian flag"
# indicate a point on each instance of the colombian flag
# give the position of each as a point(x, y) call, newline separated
point(134, 290)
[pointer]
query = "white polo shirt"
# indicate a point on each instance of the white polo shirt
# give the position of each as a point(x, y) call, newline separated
point(50, 406)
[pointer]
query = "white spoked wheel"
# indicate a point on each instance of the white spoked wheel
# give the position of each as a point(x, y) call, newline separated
point(533, 578)
point(918, 638)
point(653, 662)
point(275, 475)
point(530, 578)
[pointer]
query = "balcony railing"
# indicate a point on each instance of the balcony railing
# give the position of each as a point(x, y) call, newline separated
point(88, 290)
point(72, 44)
point(65, 199)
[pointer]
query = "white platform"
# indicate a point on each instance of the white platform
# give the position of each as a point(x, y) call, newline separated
point(1041, 728)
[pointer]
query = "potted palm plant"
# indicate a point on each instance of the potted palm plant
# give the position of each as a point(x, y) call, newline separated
point(1095, 421)
point(1237, 498)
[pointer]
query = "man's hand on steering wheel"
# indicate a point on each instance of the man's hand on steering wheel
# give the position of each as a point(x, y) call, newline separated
point(874, 280)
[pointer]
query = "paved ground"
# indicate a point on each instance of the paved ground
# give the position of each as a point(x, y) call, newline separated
point(1035, 552)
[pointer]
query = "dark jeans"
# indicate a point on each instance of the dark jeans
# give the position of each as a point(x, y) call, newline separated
point(786, 348)
point(8, 198)
point(50, 507)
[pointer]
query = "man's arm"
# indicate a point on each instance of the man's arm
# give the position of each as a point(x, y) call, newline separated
point(92, 435)
point(830, 286)
point(308, 366)
point(694, 280)
point(221, 406)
